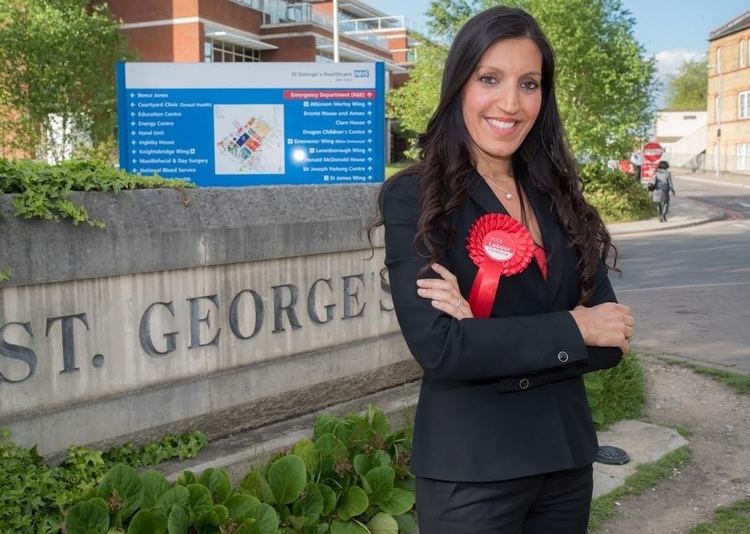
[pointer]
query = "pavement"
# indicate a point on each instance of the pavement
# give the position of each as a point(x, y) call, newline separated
point(644, 442)
point(684, 212)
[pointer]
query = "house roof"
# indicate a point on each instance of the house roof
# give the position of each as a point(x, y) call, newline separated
point(733, 26)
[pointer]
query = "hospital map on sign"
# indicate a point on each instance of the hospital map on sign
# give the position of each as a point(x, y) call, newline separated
point(249, 139)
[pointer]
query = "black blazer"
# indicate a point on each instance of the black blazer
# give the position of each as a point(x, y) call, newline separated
point(501, 397)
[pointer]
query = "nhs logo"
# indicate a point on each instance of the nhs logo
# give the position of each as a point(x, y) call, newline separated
point(361, 73)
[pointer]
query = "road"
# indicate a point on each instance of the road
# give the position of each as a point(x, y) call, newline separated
point(690, 288)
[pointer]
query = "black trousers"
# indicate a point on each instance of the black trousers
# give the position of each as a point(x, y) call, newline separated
point(552, 503)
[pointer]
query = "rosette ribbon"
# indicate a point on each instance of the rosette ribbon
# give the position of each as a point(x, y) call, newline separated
point(500, 246)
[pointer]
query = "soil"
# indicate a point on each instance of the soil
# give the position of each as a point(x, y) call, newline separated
point(719, 473)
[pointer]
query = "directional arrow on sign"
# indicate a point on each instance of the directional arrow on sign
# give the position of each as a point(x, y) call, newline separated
point(369, 159)
point(132, 123)
point(369, 112)
point(132, 113)
point(369, 122)
point(135, 160)
point(133, 151)
point(369, 131)
point(369, 177)
point(369, 149)
point(132, 95)
point(369, 103)
point(132, 104)
point(369, 140)
point(133, 141)
point(369, 168)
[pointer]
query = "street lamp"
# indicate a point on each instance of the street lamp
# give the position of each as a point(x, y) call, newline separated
point(717, 66)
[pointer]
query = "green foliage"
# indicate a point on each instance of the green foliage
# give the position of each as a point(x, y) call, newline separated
point(414, 103)
point(352, 477)
point(621, 393)
point(605, 85)
point(731, 519)
point(43, 191)
point(34, 496)
point(617, 196)
point(688, 89)
point(58, 58)
point(6, 274)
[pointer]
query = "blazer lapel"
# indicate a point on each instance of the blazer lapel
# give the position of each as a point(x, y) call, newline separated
point(552, 236)
point(481, 193)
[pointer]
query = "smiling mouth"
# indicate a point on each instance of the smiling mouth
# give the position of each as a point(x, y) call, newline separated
point(502, 126)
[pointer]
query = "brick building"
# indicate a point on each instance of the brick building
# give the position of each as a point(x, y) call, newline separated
point(728, 137)
point(265, 30)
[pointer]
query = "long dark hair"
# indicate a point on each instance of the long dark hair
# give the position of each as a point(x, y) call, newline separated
point(543, 160)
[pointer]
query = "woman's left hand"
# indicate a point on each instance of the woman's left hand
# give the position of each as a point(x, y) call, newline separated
point(444, 293)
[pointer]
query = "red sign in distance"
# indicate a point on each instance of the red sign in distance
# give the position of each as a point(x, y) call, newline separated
point(652, 151)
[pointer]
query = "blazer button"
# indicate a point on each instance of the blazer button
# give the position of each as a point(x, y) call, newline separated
point(562, 356)
point(523, 383)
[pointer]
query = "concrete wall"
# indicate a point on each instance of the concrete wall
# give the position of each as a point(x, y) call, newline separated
point(212, 309)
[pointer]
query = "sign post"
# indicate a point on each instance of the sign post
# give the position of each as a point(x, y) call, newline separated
point(652, 153)
point(241, 124)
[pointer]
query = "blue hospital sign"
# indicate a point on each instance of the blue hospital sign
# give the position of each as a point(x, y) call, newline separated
point(238, 124)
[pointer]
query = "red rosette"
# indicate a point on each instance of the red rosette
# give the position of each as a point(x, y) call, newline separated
point(500, 246)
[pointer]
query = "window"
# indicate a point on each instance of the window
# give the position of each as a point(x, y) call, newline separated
point(215, 51)
point(717, 108)
point(743, 156)
point(718, 60)
point(743, 53)
point(743, 104)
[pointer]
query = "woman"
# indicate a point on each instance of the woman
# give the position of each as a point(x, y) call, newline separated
point(660, 186)
point(503, 438)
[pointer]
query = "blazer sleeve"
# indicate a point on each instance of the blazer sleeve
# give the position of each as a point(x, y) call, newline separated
point(470, 349)
point(602, 357)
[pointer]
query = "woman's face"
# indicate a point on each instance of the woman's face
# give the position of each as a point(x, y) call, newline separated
point(502, 98)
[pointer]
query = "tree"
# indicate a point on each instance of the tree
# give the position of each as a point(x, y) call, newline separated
point(688, 89)
point(58, 60)
point(605, 85)
point(413, 103)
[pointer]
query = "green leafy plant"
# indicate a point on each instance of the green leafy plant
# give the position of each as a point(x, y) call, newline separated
point(34, 496)
point(617, 393)
point(43, 191)
point(6, 274)
point(352, 477)
point(617, 196)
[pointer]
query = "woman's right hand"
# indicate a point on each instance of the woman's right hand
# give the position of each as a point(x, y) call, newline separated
point(605, 325)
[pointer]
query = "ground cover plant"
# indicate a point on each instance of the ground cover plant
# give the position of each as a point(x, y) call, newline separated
point(34, 496)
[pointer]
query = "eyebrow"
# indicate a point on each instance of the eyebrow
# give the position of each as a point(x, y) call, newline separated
point(489, 67)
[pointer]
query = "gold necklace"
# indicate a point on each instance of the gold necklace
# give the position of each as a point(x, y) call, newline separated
point(508, 194)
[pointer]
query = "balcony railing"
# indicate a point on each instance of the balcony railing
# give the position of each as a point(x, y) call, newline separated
point(380, 23)
point(283, 12)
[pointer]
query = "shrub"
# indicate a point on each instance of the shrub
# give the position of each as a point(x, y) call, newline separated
point(43, 191)
point(34, 496)
point(617, 196)
point(351, 478)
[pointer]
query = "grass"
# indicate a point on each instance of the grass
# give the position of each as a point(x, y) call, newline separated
point(624, 390)
point(738, 382)
point(732, 519)
point(646, 476)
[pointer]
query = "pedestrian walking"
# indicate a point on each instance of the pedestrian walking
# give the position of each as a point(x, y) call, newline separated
point(636, 158)
point(660, 186)
point(497, 269)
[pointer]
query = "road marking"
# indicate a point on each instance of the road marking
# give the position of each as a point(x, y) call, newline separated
point(689, 286)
